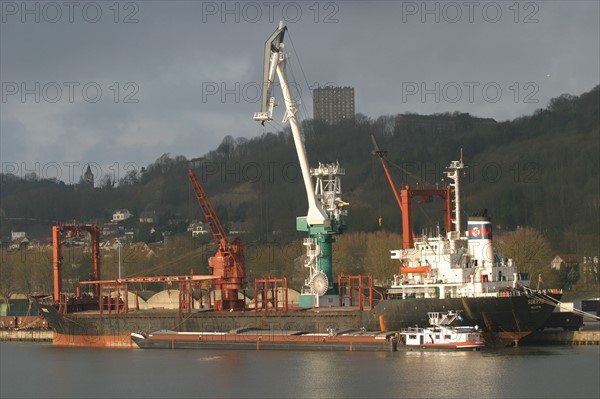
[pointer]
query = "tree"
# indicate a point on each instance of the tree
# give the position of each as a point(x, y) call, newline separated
point(8, 285)
point(531, 251)
point(377, 260)
point(106, 182)
point(131, 178)
point(349, 252)
point(569, 276)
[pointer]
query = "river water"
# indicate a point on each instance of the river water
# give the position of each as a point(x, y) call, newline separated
point(44, 371)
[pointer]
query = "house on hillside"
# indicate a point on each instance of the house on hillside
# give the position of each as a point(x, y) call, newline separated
point(111, 244)
point(149, 217)
point(110, 229)
point(238, 228)
point(120, 215)
point(18, 240)
point(15, 235)
point(197, 229)
point(21, 242)
point(129, 234)
point(590, 269)
point(561, 261)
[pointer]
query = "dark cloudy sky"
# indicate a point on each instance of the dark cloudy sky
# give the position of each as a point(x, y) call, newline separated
point(116, 86)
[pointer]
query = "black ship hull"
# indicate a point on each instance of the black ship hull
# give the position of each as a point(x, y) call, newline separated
point(504, 319)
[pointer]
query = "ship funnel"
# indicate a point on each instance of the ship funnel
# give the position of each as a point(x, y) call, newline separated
point(480, 239)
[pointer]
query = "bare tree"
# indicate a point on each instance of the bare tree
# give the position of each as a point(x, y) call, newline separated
point(530, 250)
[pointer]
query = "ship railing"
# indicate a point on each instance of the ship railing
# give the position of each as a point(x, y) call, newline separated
point(412, 330)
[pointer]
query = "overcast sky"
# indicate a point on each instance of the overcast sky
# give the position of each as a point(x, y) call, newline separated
point(117, 86)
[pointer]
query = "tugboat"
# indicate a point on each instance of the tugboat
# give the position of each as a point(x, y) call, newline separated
point(441, 333)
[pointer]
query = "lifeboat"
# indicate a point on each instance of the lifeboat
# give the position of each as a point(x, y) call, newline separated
point(419, 269)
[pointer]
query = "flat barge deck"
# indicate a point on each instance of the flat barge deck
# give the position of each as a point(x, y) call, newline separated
point(252, 339)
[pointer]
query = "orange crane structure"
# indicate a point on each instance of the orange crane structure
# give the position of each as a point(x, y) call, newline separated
point(404, 200)
point(227, 269)
point(228, 261)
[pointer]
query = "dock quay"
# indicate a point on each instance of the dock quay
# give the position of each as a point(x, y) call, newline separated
point(30, 335)
point(559, 337)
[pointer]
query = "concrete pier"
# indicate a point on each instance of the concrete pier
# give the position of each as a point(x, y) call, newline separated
point(41, 335)
point(559, 337)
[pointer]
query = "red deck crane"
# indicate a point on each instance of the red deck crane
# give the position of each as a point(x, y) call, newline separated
point(228, 261)
point(404, 200)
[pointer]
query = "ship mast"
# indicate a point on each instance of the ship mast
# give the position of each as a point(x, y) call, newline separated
point(453, 173)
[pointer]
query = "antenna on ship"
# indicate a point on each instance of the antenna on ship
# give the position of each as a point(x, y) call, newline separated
point(453, 173)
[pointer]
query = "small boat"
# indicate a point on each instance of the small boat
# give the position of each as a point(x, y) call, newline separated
point(442, 334)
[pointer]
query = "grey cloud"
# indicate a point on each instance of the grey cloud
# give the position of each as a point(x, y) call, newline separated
point(177, 50)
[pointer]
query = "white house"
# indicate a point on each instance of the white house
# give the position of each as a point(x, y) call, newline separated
point(197, 229)
point(564, 261)
point(121, 214)
point(149, 217)
point(15, 235)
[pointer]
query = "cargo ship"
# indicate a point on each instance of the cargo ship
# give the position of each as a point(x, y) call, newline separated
point(447, 271)
point(459, 270)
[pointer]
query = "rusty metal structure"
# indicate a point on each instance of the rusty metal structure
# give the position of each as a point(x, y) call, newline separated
point(267, 289)
point(353, 289)
point(110, 295)
point(73, 230)
point(114, 294)
point(228, 262)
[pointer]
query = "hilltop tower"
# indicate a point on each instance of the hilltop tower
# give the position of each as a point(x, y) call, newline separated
point(88, 178)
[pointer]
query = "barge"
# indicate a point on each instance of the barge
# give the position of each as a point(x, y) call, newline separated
point(256, 339)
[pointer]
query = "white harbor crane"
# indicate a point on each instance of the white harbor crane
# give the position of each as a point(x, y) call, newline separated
point(325, 216)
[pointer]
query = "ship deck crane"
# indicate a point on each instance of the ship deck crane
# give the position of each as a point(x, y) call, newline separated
point(228, 262)
point(404, 200)
point(325, 216)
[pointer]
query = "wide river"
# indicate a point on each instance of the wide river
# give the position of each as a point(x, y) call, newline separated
point(43, 371)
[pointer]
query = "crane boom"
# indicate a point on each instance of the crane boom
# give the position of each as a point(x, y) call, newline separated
point(216, 229)
point(274, 62)
point(406, 195)
point(381, 155)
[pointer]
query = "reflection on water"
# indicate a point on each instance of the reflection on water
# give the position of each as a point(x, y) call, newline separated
point(208, 358)
point(41, 370)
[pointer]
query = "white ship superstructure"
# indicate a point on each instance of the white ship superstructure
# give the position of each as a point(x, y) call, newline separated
point(455, 264)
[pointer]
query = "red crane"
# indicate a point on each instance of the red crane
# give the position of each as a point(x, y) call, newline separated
point(404, 200)
point(228, 261)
